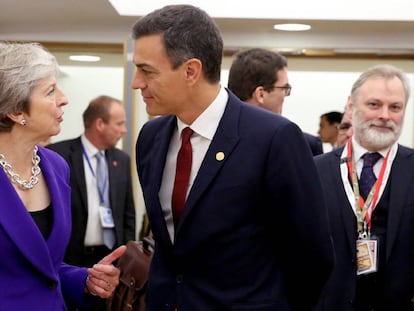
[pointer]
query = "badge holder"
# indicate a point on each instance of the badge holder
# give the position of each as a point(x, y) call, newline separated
point(366, 252)
point(105, 213)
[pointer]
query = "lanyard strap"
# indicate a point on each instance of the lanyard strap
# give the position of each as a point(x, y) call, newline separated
point(364, 209)
point(101, 191)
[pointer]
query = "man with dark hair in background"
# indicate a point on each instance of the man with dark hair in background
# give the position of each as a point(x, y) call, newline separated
point(260, 77)
point(328, 127)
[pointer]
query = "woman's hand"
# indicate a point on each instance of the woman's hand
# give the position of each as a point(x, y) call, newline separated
point(103, 277)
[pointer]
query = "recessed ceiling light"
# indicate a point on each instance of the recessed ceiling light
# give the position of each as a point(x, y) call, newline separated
point(292, 27)
point(85, 58)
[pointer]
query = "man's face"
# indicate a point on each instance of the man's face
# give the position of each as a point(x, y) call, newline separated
point(162, 87)
point(378, 113)
point(113, 131)
point(273, 100)
point(328, 133)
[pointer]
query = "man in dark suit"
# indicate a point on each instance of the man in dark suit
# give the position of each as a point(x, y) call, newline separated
point(104, 121)
point(246, 230)
point(329, 127)
point(260, 77)
point(372, 228)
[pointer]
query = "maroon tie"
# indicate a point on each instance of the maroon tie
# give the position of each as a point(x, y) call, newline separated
point(182, 174)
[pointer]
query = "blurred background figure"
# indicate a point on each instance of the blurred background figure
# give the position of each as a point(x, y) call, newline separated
point(328, 127)
point(103, 211)
point(260, 77)
point(345, 127)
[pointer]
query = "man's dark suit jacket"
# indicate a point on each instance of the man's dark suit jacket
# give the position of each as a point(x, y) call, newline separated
point(399, 271)
point(253, 234)
point(315, 144)
point(120, 196)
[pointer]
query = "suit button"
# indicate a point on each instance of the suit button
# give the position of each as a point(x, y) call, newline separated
point(179, 278)
point(52, 285)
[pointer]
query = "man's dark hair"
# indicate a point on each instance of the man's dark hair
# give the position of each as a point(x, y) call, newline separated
point(333, 117)
point(188, 32)
point(253, 68)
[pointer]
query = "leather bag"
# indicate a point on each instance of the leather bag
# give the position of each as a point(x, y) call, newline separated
point(134, 265)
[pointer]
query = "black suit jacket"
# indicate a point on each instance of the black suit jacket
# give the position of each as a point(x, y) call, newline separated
point(399, 270)
point(251, 236)
point(315, 144)
point(120, 196)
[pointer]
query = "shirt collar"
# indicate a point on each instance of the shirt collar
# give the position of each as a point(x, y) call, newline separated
point(206, 123)
point(89, 148)
point(359, 151)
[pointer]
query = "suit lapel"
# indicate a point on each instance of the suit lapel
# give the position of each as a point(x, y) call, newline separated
point(224, 141)
point(21, 228)
point(345, 209)
point(113, 176)
point(78, 170)
point(158, 154)
point(399, 182)
point(60, 195)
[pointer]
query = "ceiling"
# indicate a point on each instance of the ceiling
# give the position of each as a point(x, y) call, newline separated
point(94, 24)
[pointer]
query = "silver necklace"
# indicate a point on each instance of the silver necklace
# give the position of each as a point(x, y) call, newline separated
point(15, 178)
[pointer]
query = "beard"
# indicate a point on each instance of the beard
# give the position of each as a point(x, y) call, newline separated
point(371, 138)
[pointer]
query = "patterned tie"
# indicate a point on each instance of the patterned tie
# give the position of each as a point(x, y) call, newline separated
point(368, 178)
point(182, 174)
point(102, 181)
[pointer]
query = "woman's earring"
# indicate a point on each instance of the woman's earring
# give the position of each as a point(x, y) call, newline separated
point(23, 122)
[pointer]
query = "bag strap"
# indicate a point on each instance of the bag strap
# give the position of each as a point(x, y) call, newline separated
point(148, 243)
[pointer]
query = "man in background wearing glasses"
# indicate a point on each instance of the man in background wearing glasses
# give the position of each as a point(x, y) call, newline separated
point(260, 77)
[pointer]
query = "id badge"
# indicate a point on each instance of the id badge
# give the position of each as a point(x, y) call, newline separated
point(367, 256)
point(105, 214)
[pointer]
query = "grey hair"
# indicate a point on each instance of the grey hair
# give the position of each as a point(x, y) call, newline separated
point(22, 66)
point(382, 71)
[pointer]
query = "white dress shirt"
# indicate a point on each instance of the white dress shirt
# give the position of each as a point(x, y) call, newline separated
point(358, 152)
point(204, 128)
point(94, 234)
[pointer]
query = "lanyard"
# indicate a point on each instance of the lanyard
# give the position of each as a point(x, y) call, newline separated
point(364, 209)
point(100, 191)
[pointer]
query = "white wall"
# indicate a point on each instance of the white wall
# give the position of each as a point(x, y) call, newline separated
point(81, 84)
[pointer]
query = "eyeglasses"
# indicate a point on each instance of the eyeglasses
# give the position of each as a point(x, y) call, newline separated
point(287, 89)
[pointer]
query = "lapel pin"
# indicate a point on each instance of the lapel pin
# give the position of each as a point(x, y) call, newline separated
point(220, 156)
point(115, 163)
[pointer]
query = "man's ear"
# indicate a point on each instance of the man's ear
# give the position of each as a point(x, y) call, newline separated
point(193, 70)
point(99, 124)
point(258, 95)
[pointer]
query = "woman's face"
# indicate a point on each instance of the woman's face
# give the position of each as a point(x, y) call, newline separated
point(45, 109)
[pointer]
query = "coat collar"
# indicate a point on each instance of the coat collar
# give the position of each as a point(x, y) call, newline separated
point(223, 143)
